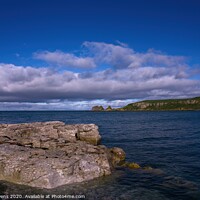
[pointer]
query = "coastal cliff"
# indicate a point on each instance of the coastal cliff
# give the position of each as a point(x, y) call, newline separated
point(50, 154)
point(161, 105)
point(168, 104)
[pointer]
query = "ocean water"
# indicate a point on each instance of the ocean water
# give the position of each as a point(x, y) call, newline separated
point(169, 142)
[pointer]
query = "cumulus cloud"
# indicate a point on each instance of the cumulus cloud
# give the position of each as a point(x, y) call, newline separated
point(130, 75)
point(116, 56)
point(65, 59)
point(18, 83)
point(121, 56)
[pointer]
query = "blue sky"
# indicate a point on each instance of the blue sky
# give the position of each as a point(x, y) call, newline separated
point(73, 54)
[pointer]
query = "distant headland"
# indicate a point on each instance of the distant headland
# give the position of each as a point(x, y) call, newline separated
point(157, 105)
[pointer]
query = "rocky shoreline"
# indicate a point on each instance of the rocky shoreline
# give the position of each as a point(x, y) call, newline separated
point(51, 154)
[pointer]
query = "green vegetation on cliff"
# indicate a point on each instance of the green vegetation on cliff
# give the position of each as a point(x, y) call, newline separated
point(168, 104)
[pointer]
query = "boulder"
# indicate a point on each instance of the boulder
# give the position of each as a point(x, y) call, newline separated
point(51, 154)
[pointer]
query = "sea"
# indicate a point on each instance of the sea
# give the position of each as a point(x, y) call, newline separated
point(168, 142)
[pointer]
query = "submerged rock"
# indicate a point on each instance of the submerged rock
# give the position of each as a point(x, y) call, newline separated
point(133, 165)
point(50, 154)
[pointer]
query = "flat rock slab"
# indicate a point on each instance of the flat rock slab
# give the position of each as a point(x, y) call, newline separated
point(50, 154)
point(48, 134)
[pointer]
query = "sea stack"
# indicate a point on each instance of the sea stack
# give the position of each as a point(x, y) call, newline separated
point(51, 154)
point(97, 108)
point(109, 108)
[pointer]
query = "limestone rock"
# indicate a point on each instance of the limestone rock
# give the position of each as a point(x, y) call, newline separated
point(47, 135)
point(50, 154)
point(89, 133)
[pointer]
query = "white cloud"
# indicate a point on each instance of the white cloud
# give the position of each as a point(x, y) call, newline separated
point(65, 59)
point(116, 56)
point(18, 83)
point(121, 56)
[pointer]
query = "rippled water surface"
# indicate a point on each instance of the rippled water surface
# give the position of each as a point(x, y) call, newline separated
point(169, 142)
